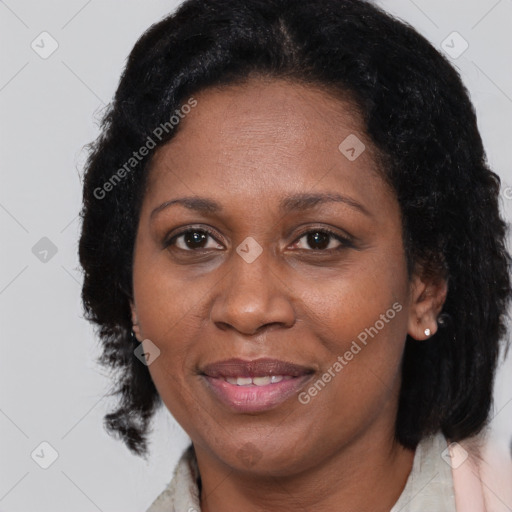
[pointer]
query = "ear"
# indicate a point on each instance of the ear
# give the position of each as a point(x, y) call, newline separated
point(135, 322)
point(427, 297)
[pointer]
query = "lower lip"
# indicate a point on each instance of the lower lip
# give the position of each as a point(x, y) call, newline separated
point(255, 398)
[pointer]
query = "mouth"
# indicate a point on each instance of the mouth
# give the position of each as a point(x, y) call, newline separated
point(254, 386)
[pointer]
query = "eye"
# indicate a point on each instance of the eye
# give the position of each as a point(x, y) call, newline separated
point(323, 240)
point(194, 240)
point(200, 239)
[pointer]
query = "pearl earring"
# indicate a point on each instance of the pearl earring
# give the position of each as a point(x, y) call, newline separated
point(427, 332)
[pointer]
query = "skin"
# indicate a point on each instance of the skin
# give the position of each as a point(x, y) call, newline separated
point(247, 147)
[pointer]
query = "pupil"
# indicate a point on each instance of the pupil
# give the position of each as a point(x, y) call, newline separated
point(315, 240)
point(194, 237)
point(318, 240)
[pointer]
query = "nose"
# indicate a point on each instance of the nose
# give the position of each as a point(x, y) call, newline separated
point(253, 297)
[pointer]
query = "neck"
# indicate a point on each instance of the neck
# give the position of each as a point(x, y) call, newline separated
point(369, 474)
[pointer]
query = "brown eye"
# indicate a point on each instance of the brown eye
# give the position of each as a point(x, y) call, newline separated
point(318, 240)
point(323, 240)
point(193, 239)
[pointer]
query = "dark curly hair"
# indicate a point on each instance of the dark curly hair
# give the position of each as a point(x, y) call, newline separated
point(419, 117)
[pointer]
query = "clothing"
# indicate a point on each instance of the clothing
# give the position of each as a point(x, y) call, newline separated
point(437, 482)
point(182, 493)
point(430, 483)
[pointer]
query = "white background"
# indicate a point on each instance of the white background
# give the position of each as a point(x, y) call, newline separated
point(51, 388)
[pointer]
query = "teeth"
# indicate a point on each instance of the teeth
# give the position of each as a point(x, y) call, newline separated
point(257, 381)
point(261, 381)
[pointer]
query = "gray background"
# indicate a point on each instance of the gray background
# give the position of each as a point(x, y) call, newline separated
point(51, 389)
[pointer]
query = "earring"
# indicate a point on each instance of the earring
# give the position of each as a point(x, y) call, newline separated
point(133, 334)
point(427, 332)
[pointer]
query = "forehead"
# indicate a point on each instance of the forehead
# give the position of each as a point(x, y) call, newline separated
point(282, 107)
point(269, 111)
point(269, 136)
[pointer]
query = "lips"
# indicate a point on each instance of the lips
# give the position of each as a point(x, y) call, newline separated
point(234, 368)
point(254, 386)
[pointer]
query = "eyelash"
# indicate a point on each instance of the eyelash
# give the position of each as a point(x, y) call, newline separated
point(345, 242)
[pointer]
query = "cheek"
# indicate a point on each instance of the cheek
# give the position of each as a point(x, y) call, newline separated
point(361, 318)
point(370, 291)
point(166, 311)
point(165, 301)
point(163, 307)
point(362, 338)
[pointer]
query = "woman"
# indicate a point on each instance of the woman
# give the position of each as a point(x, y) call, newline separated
point(292, 240)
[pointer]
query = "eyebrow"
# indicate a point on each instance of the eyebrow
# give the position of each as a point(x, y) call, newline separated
point(288, 204)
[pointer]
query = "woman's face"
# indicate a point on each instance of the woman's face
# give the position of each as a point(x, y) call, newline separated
point(282, 311)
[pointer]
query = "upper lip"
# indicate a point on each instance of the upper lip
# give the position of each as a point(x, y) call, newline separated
point(255, 368)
